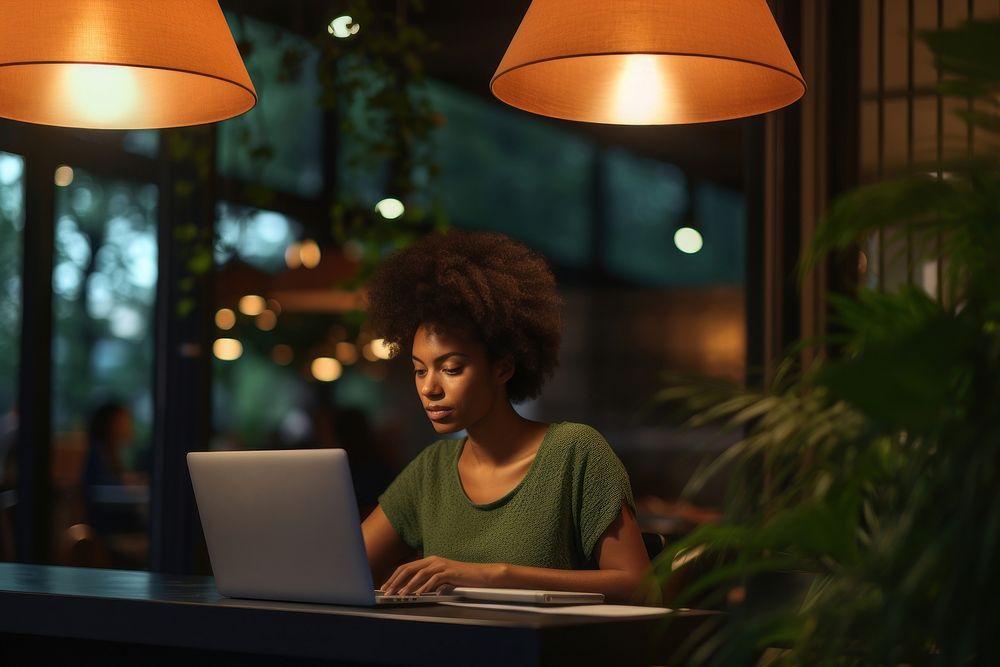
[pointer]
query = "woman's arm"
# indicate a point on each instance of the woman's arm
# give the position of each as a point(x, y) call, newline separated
point(386, 549)
point(620, 554)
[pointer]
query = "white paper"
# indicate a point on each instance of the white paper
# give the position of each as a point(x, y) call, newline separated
point(604, 610)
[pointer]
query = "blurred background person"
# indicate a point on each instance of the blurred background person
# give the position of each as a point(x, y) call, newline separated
point(112, 509)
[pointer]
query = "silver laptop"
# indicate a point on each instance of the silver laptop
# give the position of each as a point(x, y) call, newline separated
point(284, 525)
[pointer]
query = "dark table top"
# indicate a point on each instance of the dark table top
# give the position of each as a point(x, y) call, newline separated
point(187, 611)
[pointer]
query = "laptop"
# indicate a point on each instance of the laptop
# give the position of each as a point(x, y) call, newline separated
point(284, 525)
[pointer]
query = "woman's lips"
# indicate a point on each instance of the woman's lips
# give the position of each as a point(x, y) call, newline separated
point(438, 413)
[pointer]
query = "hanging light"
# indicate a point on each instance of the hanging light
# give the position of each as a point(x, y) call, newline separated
point(648, 62)
point(120, 65)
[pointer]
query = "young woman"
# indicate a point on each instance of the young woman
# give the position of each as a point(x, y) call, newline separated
point(516, 503)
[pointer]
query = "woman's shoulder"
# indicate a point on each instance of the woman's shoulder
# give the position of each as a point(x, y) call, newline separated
point(580, 439)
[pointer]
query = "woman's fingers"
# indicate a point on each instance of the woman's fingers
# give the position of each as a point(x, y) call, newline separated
point(419, 577)
point(407, 576)
point(400, 576)
point(433, 584)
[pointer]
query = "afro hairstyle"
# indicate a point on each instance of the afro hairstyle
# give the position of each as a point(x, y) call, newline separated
point(479, 284)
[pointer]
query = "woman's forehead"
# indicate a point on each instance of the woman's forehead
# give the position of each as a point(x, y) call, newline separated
point(435, 338)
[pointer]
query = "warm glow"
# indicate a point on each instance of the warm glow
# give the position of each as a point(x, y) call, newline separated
point(293, 259)
point(272, 304)
point(640, 94)
point(346, 353)
point(120, 65)
point(227, 349)
point(309, 254)
point(252, 305)
point(64, 175)
point(225, 318)
point(688, 240)
point(267, 320)
point(648, 62)
point(100, 95)
point(390, 208)
point(343, 27)
point(326, 369)
point(383, 350)
point(282, 354)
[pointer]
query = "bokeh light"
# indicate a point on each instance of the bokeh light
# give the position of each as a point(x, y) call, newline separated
point(309, 254)
point(688, 240)
point(227, 349)
point(267, 320)
point(64, 175)
point(390, 208)
point(326, 369)
point(225, 318)
point(252, 305)
point(343, 27)
point(346, 353)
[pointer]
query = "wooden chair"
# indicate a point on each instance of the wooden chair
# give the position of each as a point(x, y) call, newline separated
point(654, 542)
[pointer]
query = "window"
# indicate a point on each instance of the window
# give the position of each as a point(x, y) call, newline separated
point(278, 142)
point(11, 227)
point(104, 284)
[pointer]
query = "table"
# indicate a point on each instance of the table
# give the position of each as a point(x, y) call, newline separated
point(109, 617)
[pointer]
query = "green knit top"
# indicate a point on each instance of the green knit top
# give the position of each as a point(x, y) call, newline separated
point(553, 518)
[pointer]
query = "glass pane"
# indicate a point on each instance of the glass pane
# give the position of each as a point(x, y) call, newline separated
point(522, 177)
point(255, 399)
point(277, 143)
point(648, 204)
point(267, 393)
point(104, 283)
point(11, 248)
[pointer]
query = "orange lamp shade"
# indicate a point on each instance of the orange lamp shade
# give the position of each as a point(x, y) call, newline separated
point(120, 64)
point(648, 62)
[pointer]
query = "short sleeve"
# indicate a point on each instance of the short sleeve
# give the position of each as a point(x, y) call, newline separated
point(603, 488)
point(401, 501)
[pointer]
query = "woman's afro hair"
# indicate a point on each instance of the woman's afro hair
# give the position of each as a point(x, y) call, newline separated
point(479, 284)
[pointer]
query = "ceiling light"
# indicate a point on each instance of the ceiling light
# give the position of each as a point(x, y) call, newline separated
point(648, 62)
point(120, 65)
point(688, 240)
point(390, 208)
point(343, 27)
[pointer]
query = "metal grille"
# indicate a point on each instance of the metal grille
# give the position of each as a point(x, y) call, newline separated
point(906, 125)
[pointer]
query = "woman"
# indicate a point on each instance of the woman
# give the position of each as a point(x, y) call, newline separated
point(517, 503)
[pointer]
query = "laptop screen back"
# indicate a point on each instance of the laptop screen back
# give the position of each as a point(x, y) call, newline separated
point(282, 525)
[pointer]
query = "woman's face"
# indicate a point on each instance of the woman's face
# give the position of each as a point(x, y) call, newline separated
point(455, 380)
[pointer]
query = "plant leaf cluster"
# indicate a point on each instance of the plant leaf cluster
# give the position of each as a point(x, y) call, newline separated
point(873, 475)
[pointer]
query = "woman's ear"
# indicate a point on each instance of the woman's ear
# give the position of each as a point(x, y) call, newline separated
point(503, 369)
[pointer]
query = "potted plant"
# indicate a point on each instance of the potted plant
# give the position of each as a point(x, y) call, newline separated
point(876, 471)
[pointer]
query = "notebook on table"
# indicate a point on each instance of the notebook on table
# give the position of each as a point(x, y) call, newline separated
point(284, 525)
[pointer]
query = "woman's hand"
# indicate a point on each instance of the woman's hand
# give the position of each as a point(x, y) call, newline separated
point(436, 574)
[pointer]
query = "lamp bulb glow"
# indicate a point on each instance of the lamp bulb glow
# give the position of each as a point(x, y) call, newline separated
point(390, 208)
point(688, 240)
point(102, 95)
point(343, 27)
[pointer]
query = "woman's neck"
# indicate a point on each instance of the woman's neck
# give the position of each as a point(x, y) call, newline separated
point(503, 436)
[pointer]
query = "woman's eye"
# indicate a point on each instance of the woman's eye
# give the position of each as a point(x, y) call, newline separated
point(420, 372)
point(452, 371)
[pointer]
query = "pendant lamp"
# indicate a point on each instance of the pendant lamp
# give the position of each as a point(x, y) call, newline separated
point(648, 62)
point(119, 64)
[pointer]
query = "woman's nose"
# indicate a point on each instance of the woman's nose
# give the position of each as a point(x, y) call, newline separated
point(430, 387)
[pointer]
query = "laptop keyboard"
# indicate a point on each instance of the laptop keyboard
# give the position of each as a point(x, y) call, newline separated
point(382, 597)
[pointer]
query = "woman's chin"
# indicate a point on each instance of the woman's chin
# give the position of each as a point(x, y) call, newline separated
point(446, 427)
